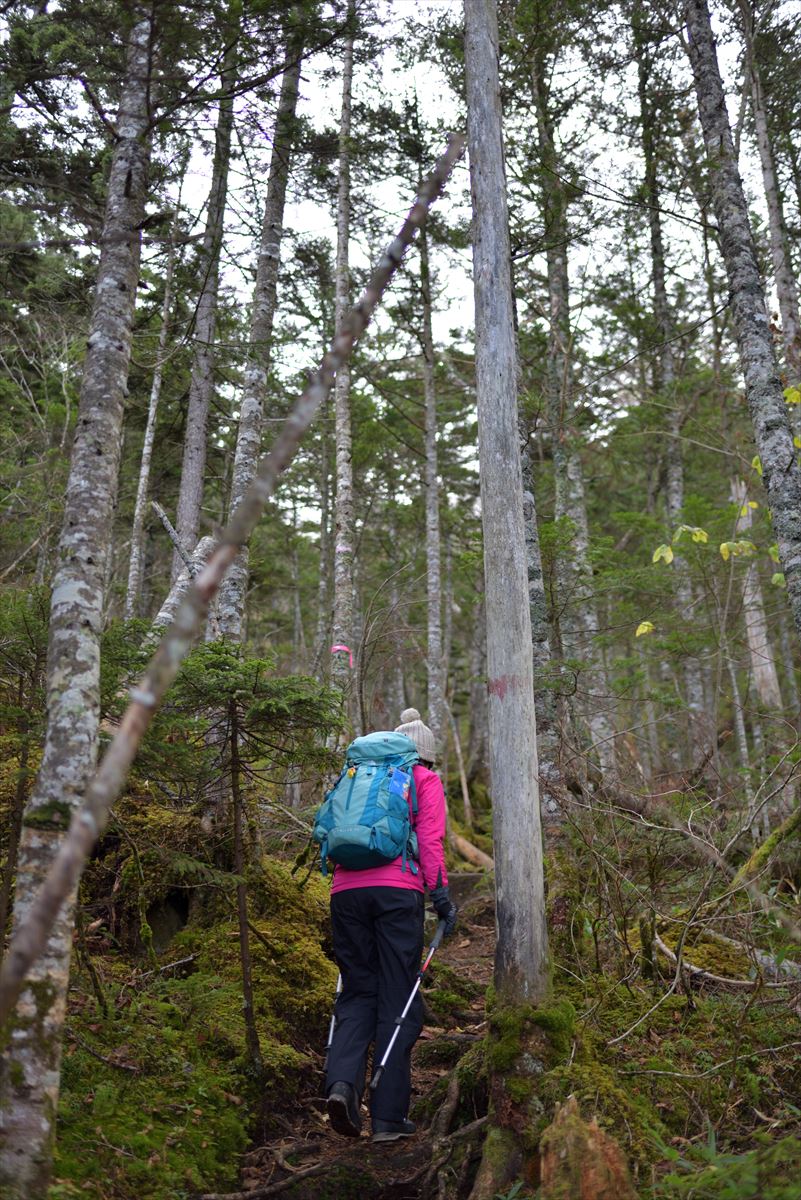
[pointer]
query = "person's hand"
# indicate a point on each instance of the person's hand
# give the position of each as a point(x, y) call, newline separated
point(445, 909)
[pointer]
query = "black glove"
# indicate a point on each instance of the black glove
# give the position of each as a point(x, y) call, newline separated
point(444, 907)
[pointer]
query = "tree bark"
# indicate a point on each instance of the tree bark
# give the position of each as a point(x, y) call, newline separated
point(478, 733)
point(231, 606)
point(135, 561)
point(201, 386)
point(522, 944)
point(763, 663)
point(29, 1075)
point(343, 633)
point(786, 288)
point(774, 440)
point(434, 655)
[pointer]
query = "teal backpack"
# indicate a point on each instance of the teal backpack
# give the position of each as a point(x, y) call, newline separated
point(364, 820)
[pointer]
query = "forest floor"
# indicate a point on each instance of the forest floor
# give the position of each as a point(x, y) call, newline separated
point(306, 1160)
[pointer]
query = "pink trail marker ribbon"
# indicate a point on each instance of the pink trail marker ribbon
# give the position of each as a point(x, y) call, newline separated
point(336, 649)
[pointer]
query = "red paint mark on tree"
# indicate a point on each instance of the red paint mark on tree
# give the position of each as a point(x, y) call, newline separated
point(503, 684)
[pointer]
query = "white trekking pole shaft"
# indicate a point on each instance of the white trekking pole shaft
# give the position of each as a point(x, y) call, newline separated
point(399, 1020)
point(333, 1024)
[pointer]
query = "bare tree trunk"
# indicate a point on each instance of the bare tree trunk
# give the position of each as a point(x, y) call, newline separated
point(772, 433)
point(343, 633)
point(137, 530)
point(763, 664)
point(201, 386)
point(579, 622)
point(699, 731)
point(788, 661)
point(521, 954)
point(435, 673)
point(522, 945)
point(29, 1074)
point(786, 287)
point(251, 412)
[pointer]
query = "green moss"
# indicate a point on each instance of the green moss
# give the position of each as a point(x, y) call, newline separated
point(55, 814)
point(177, 1123)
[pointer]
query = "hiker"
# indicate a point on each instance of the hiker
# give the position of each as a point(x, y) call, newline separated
point(377, 921)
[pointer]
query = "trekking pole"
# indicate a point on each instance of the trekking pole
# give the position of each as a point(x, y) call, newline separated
point(333, 1024)
point(438, 936)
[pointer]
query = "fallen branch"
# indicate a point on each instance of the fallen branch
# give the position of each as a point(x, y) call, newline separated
point(109, 1062)
point(721, 980)
point(274, 1188)
point(469, 852)
point(89, 821)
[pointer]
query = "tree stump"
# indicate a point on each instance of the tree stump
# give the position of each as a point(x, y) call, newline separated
point(580, 1162)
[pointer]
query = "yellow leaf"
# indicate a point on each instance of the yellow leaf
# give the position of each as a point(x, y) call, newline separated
point(773, 551)
point(778, 580)
point(757, 464)
point(725, 550)
point(792, 395)
point(664, 553)
point(644, 627)
point(700, 535)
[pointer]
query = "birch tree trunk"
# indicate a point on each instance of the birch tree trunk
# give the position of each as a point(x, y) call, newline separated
point(666, 381)
point(521, 953)
point(579, 622)
point(29, 1073)
point(434, 655)
point(522, 947)
point(763, 664)
point(342, 624)
point(135, 563)
point(786, 288)
point(322, 635)
point(231, 606)
point(772, 433)
point(201, 386)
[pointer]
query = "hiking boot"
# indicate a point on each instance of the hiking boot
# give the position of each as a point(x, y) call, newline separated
point(391, 1131)
point(343, 1109)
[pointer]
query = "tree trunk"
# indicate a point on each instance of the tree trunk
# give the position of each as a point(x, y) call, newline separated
point(579, 621)
point(343, 633)
point(434, 657)
point(201, 386)
point(699, 731)
point(231, 605)
point(774, 439)
point(522, 947)
point(132, 594)
point(786, 288)
point(29, 1075)
point(521, 953)
point(763, 664)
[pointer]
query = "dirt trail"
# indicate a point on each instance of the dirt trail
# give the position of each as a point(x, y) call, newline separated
point(455, 1019)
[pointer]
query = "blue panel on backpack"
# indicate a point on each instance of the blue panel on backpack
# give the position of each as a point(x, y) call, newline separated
point(364, 820)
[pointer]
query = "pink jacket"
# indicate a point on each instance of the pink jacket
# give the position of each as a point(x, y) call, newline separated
point(430, 828)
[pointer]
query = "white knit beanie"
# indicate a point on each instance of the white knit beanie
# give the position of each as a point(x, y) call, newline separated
point(412, 725)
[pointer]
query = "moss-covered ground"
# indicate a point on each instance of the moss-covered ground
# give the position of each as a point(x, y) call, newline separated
point(158, 1098)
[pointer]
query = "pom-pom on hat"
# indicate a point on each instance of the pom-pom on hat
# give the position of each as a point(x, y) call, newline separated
point(412, 725)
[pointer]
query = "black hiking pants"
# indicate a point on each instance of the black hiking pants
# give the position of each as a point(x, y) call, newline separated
point(378, 944)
